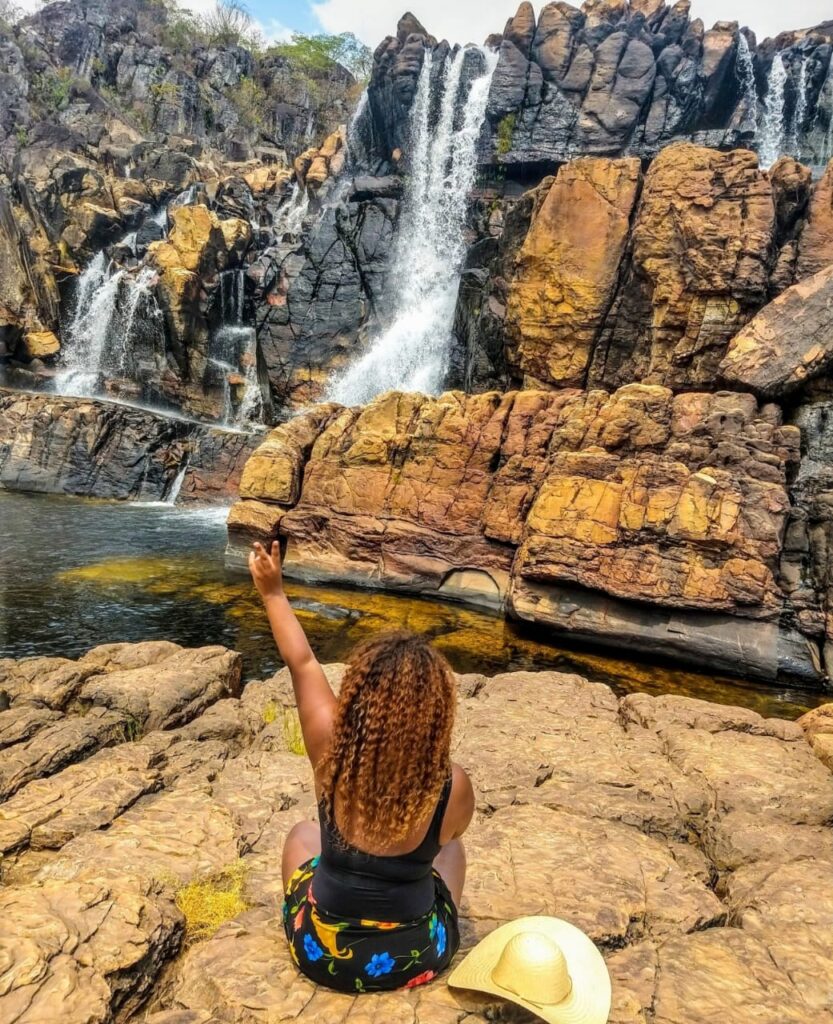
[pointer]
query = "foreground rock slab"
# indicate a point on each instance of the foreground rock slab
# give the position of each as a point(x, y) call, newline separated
point(692, 841)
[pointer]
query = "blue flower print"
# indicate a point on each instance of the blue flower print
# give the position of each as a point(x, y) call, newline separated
point(312, 949)
point(380, 963)
point(442, 936)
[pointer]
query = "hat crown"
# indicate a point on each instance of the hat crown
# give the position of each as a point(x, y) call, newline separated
point(533, 966)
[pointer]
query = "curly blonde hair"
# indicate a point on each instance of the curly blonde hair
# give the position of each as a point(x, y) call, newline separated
point(390, 750)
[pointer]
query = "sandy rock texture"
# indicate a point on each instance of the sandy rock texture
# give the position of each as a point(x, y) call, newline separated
point(692, 841)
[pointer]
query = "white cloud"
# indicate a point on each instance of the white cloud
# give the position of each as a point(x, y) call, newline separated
point(465, 21)
point(459, 21)
point(273, 31)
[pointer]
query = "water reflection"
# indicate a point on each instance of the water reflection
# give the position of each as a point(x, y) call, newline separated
point(79, 573)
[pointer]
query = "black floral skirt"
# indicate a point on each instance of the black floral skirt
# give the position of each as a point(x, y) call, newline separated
point(367, 956)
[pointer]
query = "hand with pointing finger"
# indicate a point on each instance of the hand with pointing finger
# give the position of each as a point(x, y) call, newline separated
point(265, 567)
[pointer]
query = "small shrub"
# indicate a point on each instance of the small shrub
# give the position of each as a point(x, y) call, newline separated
point(505, 131)
point(249, 98)
point(210, 902)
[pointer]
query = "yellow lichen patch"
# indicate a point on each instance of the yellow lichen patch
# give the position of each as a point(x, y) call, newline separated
point(292, 733)
point(207, 903)
point(269, 713)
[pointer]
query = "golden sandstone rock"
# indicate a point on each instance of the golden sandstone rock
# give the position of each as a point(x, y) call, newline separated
point(788, 343)
point(672, 502)
point(678, 834)
point(568, 267)
point(40, 344)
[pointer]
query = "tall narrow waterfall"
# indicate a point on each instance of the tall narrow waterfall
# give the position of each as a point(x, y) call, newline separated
point(411, 354)
point(771, 135)
point(745, 71)
point(232, 357)
point(799, 113)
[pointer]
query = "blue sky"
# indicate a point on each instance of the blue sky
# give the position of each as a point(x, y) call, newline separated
point(472, 20)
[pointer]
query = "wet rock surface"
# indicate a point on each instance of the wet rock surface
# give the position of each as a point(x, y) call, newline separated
point(692, 841)
point(101, 449)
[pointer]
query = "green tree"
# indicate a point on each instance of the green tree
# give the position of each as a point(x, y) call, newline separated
point(321, 52)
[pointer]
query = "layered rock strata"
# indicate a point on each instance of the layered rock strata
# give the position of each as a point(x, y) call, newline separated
point(639, 517)
point(97, 449)
point(679, 834)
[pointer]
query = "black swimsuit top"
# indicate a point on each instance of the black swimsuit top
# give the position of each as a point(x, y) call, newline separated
point(352, 884)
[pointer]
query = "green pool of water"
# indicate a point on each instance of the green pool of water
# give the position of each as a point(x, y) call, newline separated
point(76, 573)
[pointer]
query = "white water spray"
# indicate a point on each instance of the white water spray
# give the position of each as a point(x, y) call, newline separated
point(233, 353)
point(412, 353)
point(99, 335)
point(745, 71)
point(800, 112)
point(772, 127)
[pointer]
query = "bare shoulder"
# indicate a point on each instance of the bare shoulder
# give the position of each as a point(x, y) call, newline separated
point(460, 809)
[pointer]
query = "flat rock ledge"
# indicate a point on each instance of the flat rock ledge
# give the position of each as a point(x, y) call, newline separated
point(692, 841)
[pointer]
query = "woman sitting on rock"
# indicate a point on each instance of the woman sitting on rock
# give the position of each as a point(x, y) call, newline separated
point(371, 893)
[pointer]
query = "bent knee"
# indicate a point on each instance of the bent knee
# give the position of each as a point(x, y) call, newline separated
point(304, 830)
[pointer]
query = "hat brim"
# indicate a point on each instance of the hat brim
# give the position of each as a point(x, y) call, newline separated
point(590, 998)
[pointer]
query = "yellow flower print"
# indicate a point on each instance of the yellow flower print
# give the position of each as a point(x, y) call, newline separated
point(328, 935)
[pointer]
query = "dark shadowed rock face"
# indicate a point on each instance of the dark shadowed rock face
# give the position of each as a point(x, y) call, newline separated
point(316, 299)
point(677, 833)
point(611, 78)
point(95, 449)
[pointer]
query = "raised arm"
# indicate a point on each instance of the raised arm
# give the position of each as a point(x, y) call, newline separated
point(313, 694)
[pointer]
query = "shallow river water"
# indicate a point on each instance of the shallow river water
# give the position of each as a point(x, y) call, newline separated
point(76, 573)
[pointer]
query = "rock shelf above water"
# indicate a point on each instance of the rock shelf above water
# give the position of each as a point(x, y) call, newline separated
point(691, 840)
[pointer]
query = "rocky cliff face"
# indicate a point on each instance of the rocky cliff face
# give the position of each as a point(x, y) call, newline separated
point(678, 834)
point(112, 109)
point(617, 77)
point(53, 445)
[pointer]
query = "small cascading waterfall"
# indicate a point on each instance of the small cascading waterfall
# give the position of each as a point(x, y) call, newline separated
point(291, 216)
point(824, 109)
point(233, 353)
point(745, 71)
point(411, 354)
point(772, 132)
point(355, 144)
point(112, 308)
point(793, 145)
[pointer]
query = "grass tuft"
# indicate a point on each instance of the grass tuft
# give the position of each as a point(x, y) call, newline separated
point(210, 902)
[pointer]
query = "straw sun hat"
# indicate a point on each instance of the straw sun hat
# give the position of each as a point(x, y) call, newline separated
point(544, 964)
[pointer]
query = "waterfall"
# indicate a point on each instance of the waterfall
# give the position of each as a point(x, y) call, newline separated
point(105, 319)
point(233, 354)
point(290, 217)
point(745, 71)
point(772, 127)
point(354, 128)
point(178, 480)
point(411, 353)
point(799, 113)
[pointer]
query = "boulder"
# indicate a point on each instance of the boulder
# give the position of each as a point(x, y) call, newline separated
point(40, 345)
point(568, 269)
point(788, 343)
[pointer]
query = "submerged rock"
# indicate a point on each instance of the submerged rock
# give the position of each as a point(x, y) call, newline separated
point(679, 834)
